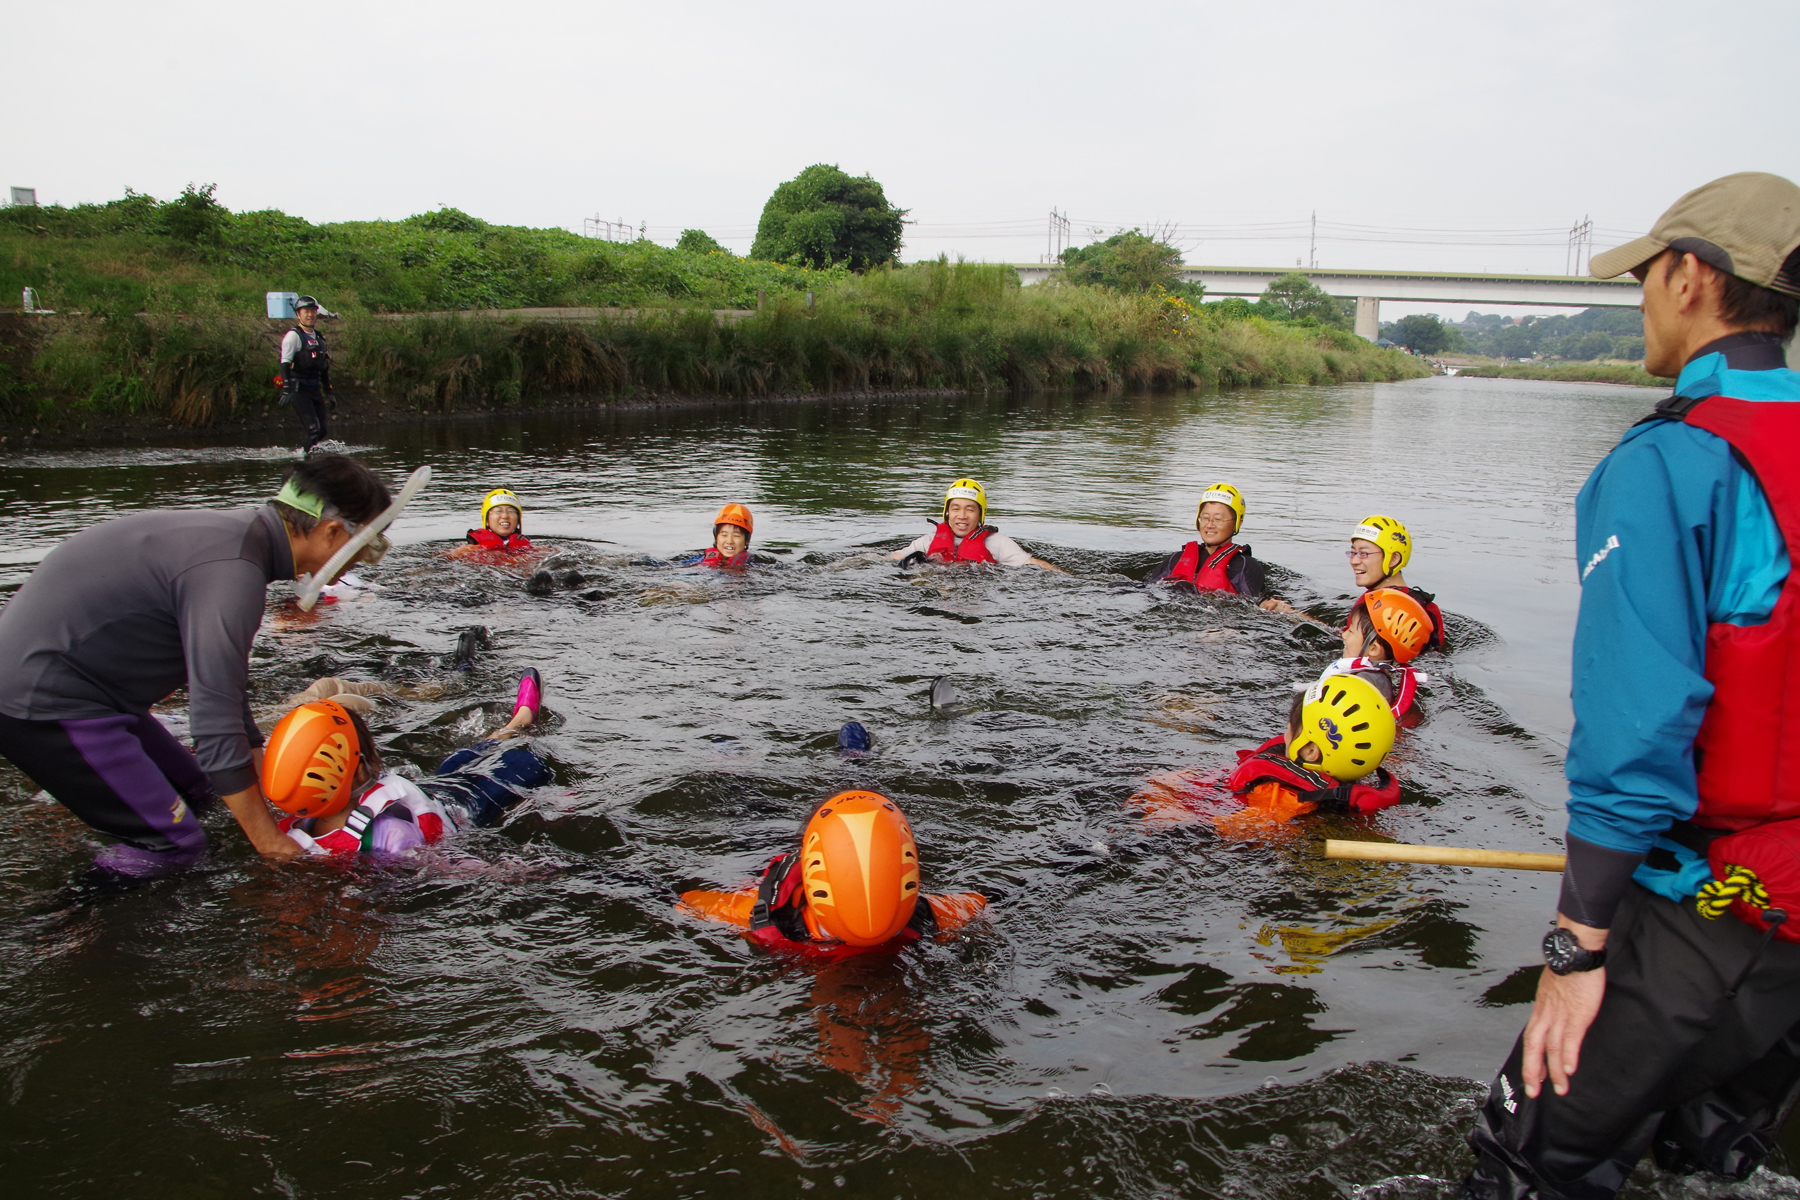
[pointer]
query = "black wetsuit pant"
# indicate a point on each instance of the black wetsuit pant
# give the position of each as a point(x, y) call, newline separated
point(1671, 1064)
point(315, 417)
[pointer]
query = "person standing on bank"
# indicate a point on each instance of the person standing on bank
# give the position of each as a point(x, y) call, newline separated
point(306, 374)
point(1668, 1018)
point(119, 616)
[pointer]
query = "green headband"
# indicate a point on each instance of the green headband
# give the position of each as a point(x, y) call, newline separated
point(291, 496)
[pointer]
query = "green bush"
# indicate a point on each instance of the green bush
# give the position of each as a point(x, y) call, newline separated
point(825, 218)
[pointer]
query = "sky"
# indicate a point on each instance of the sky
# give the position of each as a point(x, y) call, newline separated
point(1423, 135)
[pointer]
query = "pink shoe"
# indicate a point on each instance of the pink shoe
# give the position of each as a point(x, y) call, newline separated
point(531, 693)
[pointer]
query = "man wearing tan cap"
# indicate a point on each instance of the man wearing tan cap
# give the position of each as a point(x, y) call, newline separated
point(1668, 1016)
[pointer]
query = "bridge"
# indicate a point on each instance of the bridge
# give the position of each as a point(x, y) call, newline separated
point(1370, 288)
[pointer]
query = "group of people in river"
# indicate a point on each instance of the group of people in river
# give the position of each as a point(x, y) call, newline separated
point(1685, 1026)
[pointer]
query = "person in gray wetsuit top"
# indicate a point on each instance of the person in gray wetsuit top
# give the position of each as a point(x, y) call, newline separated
point(121, 615)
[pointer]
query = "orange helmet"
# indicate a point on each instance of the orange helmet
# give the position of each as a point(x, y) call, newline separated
point(309, 765)
point(735, 514)
point(860, 869)
point(1399, 620)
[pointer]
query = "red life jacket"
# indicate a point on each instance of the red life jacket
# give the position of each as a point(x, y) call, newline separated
point(1269, 761)
point(1211, 574)
point(487, 539)
point(1427, 601)
point(712, 558)
point(356, 834)
point(973, 548)
point(1744, 776)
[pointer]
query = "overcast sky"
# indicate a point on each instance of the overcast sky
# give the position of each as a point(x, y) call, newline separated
point(1503, 124)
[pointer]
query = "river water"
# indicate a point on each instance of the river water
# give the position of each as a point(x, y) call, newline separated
point(1147, 1011)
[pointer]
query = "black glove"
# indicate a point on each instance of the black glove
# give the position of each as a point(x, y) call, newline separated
point(331, 401)
point(290, 387)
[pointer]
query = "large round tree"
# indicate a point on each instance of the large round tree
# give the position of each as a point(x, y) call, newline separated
point(823, 217)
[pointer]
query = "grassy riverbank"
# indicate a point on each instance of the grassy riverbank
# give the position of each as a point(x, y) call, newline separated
point(930, 326)
point(1569, 373)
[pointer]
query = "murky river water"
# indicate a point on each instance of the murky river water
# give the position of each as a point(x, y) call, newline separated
point(1146, 1013)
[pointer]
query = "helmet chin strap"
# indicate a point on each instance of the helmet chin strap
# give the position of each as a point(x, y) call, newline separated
point(309, 586)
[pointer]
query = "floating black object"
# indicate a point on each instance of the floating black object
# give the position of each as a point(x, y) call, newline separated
point(853, 739)
point(943, 693)
point(541, 584)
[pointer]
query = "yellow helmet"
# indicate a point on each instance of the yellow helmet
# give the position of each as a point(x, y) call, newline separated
point(966, 489)
point(1390, 537)
point(1222, 493)
point(498, 497)
point(1347, 719)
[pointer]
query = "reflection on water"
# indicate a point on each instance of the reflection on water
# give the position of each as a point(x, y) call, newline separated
point(1151, 1009)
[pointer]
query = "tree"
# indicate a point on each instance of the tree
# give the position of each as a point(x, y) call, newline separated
point(1128, 261)
point(823, 217)
point(1300, 297)
point(194, 216)
point(1422, 334)
point(698, 241)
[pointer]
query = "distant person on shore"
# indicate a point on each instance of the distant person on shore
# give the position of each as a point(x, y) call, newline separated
point(1380, 548)
point(964, 536)
point(1667, 1018)
point(306, 374)
point(1216, 563)
point(502, 527)
point(120, 616)
point(731, 541)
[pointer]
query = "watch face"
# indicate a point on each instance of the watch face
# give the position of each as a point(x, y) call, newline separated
point(1561, 950)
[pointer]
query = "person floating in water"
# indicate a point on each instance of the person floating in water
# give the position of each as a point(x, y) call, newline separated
point(1216, 563)
point(964, 536)
point(731, 541)
point(1329, 758)
point(323, 770)
point(1386, 631)
point(850, 888)
point(1380, 548)
point(502, 526)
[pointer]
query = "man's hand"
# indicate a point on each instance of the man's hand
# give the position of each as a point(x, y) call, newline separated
point(1565, 1007)
point(331, 400)
point(1274, 605)
point(252, 813)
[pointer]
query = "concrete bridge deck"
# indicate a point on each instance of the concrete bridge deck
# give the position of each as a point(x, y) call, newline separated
point(1370, 288)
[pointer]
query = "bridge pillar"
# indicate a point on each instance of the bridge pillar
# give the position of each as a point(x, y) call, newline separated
point(1368, 317)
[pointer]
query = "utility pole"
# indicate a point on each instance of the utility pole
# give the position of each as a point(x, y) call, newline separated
point(1057, 240)
point(1581, 247)
point(1312, 252)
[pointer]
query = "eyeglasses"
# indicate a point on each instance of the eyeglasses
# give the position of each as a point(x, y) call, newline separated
point(1359, 555)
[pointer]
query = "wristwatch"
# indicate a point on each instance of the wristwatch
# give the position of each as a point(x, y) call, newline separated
point(1563, 954)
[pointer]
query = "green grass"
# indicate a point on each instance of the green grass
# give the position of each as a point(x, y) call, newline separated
point(1570, 373)
point(930, 326)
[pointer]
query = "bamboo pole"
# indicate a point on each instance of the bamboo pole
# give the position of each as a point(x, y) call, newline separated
point(1450, 856)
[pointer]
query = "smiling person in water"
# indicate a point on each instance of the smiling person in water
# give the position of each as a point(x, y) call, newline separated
point(502, 527)
point(1216, 563)
point(963, 535)
point(731, 541)
point(120, 616)
point(851, 887)
point(323, 770)
point(1380, 548)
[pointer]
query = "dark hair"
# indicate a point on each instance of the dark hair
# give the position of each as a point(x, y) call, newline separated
point(1364, 623)
point(371, 755)
point(1750, 305)
point(340, 481)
